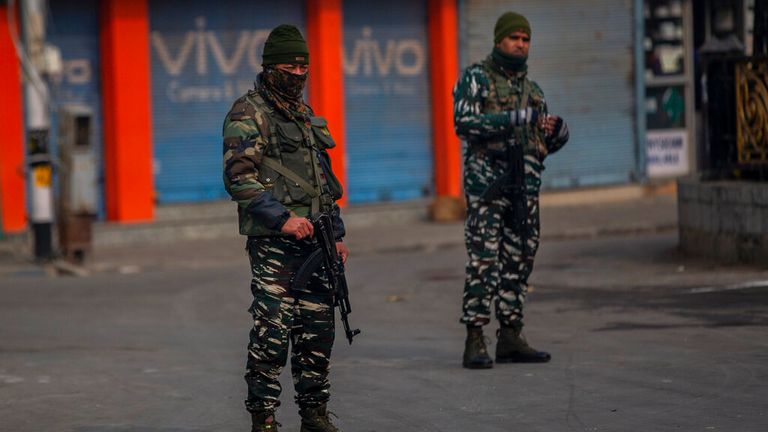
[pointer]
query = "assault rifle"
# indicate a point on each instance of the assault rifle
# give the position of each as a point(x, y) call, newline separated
point(511, 184)
point(333, 266)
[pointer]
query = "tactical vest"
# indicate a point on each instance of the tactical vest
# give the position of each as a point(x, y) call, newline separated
point(295, 166)
point(504, 95)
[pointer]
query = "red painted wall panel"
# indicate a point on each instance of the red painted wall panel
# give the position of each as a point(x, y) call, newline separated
point(326, 82)
point(444, 68)
point(11, 134)
point(125, 76)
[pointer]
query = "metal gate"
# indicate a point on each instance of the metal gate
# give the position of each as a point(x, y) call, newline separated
point(582, 56)
point(204, 56)
point(387, 100)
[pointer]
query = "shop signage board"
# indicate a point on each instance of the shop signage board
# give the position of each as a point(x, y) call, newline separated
point(667, 152)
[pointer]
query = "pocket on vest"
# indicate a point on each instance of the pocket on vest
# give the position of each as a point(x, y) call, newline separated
point(322, 135)
point(323, 141)
point(294, 156)
point(296, 193)
point(290, 136)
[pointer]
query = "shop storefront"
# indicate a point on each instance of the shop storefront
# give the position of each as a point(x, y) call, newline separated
point(387, 103)
point(188, 61)
point(669, 91)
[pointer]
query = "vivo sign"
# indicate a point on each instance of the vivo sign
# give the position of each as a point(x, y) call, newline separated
point(204, 49)
point(200, 45)
point(404, 57)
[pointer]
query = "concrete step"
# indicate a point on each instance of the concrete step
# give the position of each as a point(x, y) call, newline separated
point(219, 219)
point(583, 213)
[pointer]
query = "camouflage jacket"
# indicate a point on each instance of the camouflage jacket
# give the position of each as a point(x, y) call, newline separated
point(275, 168)
point(486, 100)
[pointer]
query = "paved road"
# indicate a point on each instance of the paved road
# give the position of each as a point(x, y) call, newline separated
point(642, 339)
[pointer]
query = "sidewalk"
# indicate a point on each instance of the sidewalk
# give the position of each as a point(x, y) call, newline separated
point(392, 227)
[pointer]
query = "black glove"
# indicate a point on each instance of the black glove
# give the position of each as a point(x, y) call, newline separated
point(560, 131)
point(339, 231)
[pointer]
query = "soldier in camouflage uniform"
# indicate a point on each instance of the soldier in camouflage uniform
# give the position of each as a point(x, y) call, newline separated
point(278, 171)
point(496, 105)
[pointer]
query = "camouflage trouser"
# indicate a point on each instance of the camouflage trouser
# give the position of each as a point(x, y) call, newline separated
point(498, 266)
point(304, 317)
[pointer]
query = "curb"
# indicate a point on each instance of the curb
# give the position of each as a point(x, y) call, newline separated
point(623, 214)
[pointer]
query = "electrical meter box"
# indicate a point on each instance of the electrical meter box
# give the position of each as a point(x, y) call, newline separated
point(77, 202)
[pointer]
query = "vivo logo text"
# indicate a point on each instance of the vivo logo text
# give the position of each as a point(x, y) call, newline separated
point(201, 45)
point(403, 57)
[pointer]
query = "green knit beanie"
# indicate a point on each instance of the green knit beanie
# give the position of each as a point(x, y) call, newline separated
point(508, 23)
point(285, 45)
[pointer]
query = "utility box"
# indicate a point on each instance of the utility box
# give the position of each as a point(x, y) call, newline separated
point(77, 182)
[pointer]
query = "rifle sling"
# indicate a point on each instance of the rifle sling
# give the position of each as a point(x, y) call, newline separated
point(292, 176)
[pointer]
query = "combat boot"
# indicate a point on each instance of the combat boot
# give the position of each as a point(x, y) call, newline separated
point(513, 348)
point(475, 352)
point(315, 419)
point(264, 421)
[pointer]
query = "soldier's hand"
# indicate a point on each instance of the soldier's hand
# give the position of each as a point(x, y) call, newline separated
point(342, 250)
point(549, 124)
point(299, 227)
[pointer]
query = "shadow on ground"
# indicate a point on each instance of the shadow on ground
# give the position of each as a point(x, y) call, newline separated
point(730, 308)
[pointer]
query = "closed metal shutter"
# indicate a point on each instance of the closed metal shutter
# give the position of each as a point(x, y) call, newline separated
point(387, 100)
point(204, 56)
point(73, 27)
point(582, 56)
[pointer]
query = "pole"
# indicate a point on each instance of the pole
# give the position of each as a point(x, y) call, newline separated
point(448, 204)
point(38, 129)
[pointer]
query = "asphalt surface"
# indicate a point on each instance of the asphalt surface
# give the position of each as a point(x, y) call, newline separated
point(154, 341)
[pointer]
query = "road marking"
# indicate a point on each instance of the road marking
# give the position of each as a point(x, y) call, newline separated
point(734, 287)
point(10, 379)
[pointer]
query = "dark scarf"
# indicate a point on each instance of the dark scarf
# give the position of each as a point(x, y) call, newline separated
point(511, 64)
point(284, 91)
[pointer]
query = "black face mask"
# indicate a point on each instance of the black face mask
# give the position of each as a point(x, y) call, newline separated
point(512, 63)
point(285, 84)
